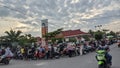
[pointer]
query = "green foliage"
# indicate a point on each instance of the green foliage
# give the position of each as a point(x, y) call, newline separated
point(26, 39)
point(112, 34)
point(72, 40)
point(53, 40)
point(105, 30)
point(22, 40)
point(51, 35)
point(56, 40)
point(99, 35)
point(86, 37)
point(15, 36)
point(12, 35)
point(91, 32)
point(60, 40)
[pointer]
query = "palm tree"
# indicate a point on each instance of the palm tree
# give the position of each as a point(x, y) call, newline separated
point(27, 39)
point(13, 36)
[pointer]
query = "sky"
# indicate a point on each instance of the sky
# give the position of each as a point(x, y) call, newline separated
point(26, 15)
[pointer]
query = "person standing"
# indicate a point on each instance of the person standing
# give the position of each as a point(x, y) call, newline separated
point(81, 49)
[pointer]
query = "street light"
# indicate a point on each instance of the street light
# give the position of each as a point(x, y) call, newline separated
point(99, 26)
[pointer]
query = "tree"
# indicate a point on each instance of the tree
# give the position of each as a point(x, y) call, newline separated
point(72, 40)
point(86, 37)
point(13, 36)
point(105, 30)
point(91, 32)
point(112, 33)
point(53, 34)
point(99, 35)
point(4, 41)
point(27, 39)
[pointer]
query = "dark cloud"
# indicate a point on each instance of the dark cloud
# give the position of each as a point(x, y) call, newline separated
point(4, 12)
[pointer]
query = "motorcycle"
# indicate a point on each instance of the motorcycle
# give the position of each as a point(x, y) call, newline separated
point(102, 61)
point(85, 51)
point(119, 44)
point(5, 60)
point(102, 64)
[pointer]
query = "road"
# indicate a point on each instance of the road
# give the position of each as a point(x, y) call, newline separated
point(85, 61)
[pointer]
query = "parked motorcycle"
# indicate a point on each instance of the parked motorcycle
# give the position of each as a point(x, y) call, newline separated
point(119, 44)
point(5, 60)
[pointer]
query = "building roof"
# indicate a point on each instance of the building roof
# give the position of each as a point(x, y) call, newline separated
point(70, 33)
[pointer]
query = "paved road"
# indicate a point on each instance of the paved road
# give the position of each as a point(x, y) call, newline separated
point(85, 61)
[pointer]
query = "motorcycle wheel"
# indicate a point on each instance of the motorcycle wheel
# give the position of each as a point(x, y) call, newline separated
point(108, 66)
point(101, 66)
point(6, 62)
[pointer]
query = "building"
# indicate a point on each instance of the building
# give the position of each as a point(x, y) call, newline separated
point(44, 28)
point(72, 34)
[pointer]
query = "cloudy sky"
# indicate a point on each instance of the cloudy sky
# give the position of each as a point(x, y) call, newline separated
point(26, 15)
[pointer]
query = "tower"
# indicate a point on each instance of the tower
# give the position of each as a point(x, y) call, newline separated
point(44, 24)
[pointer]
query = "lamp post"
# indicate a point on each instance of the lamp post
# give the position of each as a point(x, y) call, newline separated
point(98, 26)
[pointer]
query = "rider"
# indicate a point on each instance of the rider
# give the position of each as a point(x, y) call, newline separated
point(6, 52)
point(2, 53)
point(103, 50)
point(108, 56)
